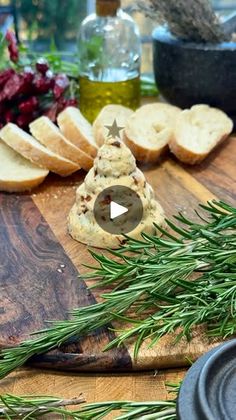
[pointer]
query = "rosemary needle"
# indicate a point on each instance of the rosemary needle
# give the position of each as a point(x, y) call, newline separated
point(160, 285)
point(35, 407)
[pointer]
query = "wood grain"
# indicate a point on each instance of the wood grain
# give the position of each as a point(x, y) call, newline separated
point(38, 282)
point(41, 264)
point(216, 176)
point(177, 190)
point(218, 171)
point(145, 386)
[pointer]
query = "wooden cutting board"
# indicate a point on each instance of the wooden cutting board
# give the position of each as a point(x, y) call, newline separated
point(41, 267)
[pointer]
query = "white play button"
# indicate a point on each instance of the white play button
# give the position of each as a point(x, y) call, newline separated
point(116, 210)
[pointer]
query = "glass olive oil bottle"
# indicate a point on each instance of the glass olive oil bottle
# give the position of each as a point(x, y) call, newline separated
point(109, 50)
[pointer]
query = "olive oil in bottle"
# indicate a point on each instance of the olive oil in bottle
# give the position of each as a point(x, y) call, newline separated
point(95, 95)
point(109, 50)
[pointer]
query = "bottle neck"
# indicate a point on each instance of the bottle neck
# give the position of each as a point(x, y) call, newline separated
point(107, 7)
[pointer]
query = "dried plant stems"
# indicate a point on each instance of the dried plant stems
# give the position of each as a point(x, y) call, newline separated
point(191, 20)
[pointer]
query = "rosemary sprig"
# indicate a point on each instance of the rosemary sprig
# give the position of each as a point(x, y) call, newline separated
point(183, 279)
point(161, 410)
point(33, 407)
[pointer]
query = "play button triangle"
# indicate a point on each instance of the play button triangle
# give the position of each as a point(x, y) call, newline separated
point(117, 210)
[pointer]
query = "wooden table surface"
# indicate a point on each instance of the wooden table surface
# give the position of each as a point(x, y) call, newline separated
point(128, 386)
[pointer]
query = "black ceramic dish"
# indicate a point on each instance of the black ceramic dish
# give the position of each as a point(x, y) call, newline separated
point(209, 388)
point(188, 73)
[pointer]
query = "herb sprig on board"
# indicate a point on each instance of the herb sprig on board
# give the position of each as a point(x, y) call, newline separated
point(34, 407)
point(161, 410)
point(160, 286)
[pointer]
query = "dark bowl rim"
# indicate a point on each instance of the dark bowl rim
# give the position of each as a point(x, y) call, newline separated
point(161, 34)
point(192, 394)
point(208, 366)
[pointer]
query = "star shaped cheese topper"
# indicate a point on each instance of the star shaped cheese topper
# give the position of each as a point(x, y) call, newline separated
point(114, 130)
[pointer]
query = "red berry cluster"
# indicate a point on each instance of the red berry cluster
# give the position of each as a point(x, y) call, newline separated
point(12, 46)
point(32, 92)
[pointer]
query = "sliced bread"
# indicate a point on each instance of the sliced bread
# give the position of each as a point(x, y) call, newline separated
point(199, 130)
point(48, 134)
point(18, 174)
point(51, 137)
point(149, 130)
point(31, 149)
point(77, 130)
point(106, 118)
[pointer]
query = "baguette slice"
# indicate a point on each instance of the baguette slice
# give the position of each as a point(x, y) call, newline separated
point(198, 131)
point(77, 130)
point(50, 136)
point(18, 174)
point(31, 149)
point(149, 130)
point(106, 118)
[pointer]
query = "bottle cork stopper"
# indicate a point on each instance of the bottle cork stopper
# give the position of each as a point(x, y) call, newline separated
point(107, 7)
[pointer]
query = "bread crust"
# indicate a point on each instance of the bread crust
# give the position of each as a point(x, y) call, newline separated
point(50, 136)
point(187, 156)
point(71, 130)
point(184, 152)
point(18, 174)
point(18, 140)
point(148, 117)
point(12, 186)
point(143, 154)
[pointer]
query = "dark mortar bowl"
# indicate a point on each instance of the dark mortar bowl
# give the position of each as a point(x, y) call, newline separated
point(188, 73)
point(208, 391)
